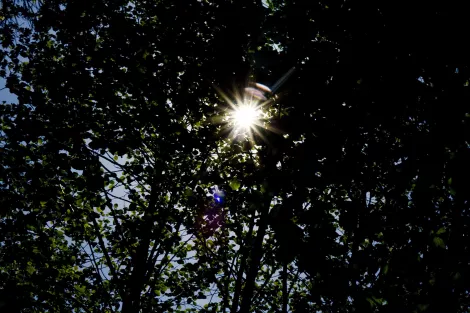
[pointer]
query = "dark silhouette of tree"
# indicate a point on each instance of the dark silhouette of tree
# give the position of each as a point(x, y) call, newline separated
point(122, 190)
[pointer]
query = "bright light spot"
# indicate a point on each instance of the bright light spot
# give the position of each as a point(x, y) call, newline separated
point(250, 111)
point(245, 116)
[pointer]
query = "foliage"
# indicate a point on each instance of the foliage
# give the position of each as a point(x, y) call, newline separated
point(121, 191)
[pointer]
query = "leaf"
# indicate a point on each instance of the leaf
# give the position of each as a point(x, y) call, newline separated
point(371, 302)
point(188, 192)
point(234, 184)
point(439, 242)
point(80, 289)
point(441, 230)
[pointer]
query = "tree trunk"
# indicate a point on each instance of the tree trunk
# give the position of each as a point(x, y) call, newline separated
point(256, 255)
point(285, 293)
point(241, 270)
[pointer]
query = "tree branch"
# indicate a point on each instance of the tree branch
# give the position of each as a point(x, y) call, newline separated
point(105, 250)
point(256, 255)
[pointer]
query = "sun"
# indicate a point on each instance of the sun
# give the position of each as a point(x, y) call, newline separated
point(245, 116)
point(247, 113)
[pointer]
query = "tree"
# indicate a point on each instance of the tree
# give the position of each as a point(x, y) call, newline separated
point(121, 190)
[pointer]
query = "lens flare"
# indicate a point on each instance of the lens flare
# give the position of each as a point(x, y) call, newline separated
point(255, 93)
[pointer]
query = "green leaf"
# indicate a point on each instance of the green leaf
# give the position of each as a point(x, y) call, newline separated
point(234, 184)
point(439, 242)
point(30, 269)
point(188, 192)
point(80, 289)
point(441, 231)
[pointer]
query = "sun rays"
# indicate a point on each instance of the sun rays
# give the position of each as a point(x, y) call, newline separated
point(248, 113)
point(245, 116)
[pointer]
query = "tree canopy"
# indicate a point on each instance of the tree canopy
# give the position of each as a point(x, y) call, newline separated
point(123, 188)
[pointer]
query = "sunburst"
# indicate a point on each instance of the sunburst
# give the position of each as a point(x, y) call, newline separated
point(249, 112)
point(246, 115)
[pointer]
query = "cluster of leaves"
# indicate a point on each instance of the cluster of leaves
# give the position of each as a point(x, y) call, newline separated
point(120, 192)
